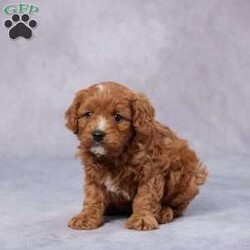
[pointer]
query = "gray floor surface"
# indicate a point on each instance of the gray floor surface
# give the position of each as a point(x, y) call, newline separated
point(39, 197)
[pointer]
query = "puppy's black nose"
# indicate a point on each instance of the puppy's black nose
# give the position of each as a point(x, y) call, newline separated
point(98, 135)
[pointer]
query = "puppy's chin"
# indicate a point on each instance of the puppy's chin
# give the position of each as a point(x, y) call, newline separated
point(101, 150)
point(98, 150)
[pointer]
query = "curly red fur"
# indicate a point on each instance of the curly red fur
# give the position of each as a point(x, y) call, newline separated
point(141, 166)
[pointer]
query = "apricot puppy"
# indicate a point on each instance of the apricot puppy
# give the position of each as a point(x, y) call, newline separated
point(133, 164)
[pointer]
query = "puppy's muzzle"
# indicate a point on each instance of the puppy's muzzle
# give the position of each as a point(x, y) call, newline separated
point(98, 135)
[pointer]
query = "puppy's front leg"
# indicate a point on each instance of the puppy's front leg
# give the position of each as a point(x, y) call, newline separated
point(94, 206)
point(147, 205)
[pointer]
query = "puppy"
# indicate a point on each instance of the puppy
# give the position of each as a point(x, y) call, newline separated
point(133, 164)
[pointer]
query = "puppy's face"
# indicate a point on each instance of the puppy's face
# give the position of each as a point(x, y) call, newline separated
point(104, 121)
point(105, 118)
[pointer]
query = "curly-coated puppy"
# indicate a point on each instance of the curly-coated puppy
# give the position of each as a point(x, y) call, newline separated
point(132, 163)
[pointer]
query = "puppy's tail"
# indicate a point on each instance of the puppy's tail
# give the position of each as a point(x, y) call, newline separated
point(201, 174)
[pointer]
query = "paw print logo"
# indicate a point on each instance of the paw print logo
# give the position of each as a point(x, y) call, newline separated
point(20, 26)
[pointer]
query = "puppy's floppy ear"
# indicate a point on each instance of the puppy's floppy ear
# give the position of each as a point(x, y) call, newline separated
point(71, 113)
point(143, 114)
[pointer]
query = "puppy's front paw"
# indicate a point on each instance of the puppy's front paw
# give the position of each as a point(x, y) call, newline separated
point(84, 222)
point(144, 222)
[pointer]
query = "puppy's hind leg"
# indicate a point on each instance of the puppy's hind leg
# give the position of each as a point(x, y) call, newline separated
point(180, 202)
point(180, 208)
point(166, 215)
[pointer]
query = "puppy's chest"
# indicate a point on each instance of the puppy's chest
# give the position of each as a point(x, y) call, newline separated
point(119, 186)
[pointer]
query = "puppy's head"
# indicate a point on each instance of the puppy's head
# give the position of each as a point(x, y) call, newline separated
point(107, 117)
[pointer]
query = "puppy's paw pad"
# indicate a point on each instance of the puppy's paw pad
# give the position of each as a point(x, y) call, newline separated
point(142, 223)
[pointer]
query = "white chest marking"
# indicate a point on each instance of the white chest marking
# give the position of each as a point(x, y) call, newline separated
point(114, 189)
point(109, 185)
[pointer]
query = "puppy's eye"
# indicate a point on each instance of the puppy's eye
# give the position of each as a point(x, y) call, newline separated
point(87, 115)
point(118, 118)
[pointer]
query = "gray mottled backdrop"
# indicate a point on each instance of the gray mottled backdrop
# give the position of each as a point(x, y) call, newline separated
point(192, 58)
